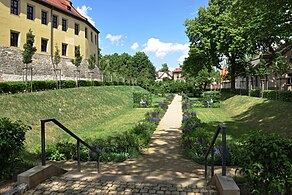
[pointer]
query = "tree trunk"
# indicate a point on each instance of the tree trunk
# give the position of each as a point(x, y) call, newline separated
point(232, 74)
point(26, 87)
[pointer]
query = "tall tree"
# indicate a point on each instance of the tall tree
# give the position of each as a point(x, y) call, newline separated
point(77, 61)
point(143, 68)
point(164, 68)
point(29, 51)
point(91, 62)
point(91, 65)
point(267, 22)
point(56, 61)
point(214, 34)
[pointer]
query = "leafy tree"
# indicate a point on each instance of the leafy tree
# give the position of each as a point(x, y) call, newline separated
point(91, 62)
point(144, 69)
point(266, 22)
point(56, 61)
point(280, 67)
point(91, 65)
point(77, 61)
point(78, 58)
point(213, 34)
point(164, 68)
point(29, 51)
point(204, 78)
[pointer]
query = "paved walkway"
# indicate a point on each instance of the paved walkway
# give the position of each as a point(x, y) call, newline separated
point(161, 170)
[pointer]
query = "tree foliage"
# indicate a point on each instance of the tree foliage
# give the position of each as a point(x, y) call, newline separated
point(91, 62)
point(164, 68)
point(57, 58)
point(29, 49)
point(137, 67)
point(78, 58)
point(236, 30)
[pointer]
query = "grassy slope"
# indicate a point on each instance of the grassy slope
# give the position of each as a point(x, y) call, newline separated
point(85, 111)
point(242, 114)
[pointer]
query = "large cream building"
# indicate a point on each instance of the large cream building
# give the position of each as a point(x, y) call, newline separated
point(54, 23)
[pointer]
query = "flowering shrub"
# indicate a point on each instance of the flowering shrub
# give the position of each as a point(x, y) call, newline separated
point(163, 106)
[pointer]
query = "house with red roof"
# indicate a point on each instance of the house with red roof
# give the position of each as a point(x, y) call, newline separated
point(54, 24)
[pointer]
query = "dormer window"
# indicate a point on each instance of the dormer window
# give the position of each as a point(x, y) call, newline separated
point(68, 8)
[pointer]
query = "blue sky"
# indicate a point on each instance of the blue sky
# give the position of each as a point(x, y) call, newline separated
point(152, 26)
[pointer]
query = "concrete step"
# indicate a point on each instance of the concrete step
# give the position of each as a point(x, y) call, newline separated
point(84, 182)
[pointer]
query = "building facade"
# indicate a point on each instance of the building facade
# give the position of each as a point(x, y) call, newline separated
point(54, 23)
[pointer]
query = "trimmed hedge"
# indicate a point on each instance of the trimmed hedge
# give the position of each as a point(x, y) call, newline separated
point(255, 93)
point(285, 96)
point(19, 86)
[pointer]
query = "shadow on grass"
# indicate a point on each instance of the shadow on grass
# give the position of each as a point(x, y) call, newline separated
point(269, 116)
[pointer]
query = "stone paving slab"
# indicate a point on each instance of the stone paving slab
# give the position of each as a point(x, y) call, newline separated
point(95, 185)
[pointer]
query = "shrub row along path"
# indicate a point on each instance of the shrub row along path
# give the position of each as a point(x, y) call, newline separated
point(160, 170)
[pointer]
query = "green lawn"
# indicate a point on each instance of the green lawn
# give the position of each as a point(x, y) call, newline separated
point(243, 114)
point(87, 111)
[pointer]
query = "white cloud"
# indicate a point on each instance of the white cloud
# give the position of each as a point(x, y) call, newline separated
point(114, 38)
point(84, 12)
point(161, 49)
point(135, 46)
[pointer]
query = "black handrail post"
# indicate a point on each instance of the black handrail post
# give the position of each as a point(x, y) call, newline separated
point(206, 168)
point(78, 156)
point(224, 152)
point(43, 143)
point(212, 161)
point(98, 165)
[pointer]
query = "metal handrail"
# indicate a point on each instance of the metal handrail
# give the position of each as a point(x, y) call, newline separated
point(43, 129)
point(211, 149)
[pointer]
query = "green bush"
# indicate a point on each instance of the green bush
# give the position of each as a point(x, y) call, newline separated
point(12, 137)
point(216, 105)
point(214, 95)
point(255, 93)
point(270, 94)
point(19, 86)
point(266, 162)
point(285, 96)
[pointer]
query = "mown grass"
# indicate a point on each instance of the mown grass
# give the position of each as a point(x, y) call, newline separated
point(243, 114)
point(87, 111)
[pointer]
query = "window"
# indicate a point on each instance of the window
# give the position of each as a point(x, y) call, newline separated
point(64, 49)
point(95, 39)
point(44, 17)
point(86, 33)
point(91, 35)
point(64, 25)
point(55, 21)
point(30, 12)
point(44, 43)
point(76, 29)
point(14, 4)
point(14, 39)
point(75, 50)
point(289, 79)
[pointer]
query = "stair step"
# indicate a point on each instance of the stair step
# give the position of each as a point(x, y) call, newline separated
point(80, 183)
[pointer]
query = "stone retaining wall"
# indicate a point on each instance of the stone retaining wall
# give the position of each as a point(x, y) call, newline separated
point(11, 67)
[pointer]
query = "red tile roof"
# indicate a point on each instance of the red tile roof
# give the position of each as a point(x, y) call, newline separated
point(177, 70)
point(66, 6)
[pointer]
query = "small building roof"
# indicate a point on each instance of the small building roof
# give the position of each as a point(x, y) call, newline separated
point(177, 70)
